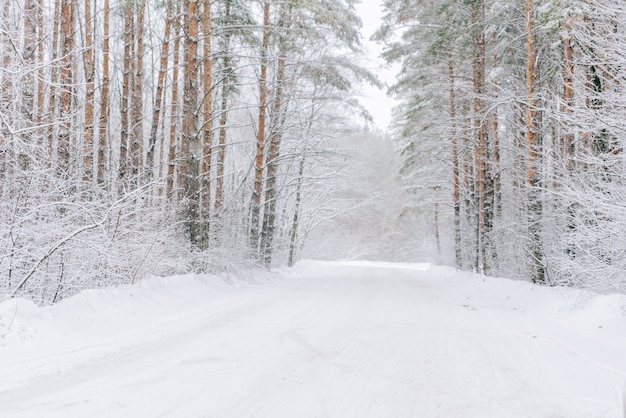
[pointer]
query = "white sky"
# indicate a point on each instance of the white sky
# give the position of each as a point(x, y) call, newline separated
point(374, 99)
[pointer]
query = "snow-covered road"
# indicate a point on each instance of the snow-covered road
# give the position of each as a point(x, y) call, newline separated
point(322, 340)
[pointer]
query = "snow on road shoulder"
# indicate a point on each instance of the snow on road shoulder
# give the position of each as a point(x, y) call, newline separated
point(95, 314)
point(582, 333)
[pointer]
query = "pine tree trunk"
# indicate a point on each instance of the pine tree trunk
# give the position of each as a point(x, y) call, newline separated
point(125, 102)
point(207, 125)
point(568, 94)
point(66, 85)
point(172, 158)
point(89, 66)
point(5, 89)
point(532, 143)
point(158, 96)
point(273, 154)
point(27, 82)
point(468, 192)
point(30, 59)
point(567, 148)
point(221, 146)
point(296, 215)
point(494, 207)
point(104, 96)
point(275, 139)
point(479, 133)
point(191, 143)
point(456, 194)
point(436, 226)
point(495, 164)
point(53, 99)
point(41, 74)
point(255, 209)
point(136, 101)
point(221, 152)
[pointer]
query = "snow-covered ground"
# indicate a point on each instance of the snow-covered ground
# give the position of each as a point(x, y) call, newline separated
point(340, 339)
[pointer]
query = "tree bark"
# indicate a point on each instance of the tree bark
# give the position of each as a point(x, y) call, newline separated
point(275, 139)
point(30, 59)
point(6, 86)
point(53, 99)
point(207, 125)
point(568, 93)
point(532, 143)
point(295, 223)
point(41, 80)
point(191, 143)
point(456, 193)
point(493, 207)
point(172, 159)
point(221, 146)
point(260, 140)
point(27, 83)
point(158, 96)
point(136, 101)
point(66, 85)
point(127, 83)
point(479, 132)
point(104, 96)
point(89, 66)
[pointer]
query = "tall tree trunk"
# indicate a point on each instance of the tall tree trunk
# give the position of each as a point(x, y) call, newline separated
point(275, 138)
point(89, 66)
point(566, 150)
point(66, 85)
point(568, 93)
point(436, 227)
point(495, 165)
point(136, 100)
point(158, 96)
point(456, 194)
point(53, 99)
point(27, 82)
point(221, 145)
point(191, 143)
point(494, 195)
point(273, 154)
point(6, 87)
point(172, 158)
point(535, 249)
point(30, 60)
point(207, 124)
point(104, 96)
point(295, 223)
point(255, 208)
point(41, 74)
point(221, 151)
point(468, 191)
point(479, 131)
point(127, 82)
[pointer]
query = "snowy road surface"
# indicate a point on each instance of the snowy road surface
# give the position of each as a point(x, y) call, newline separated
point(322, 340)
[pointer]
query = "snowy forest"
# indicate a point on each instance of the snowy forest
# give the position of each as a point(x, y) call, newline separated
point(512, 123)
point(164, 137)
point(160, 137)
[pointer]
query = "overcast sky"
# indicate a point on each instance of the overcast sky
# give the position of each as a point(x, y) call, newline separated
point(375, 100)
